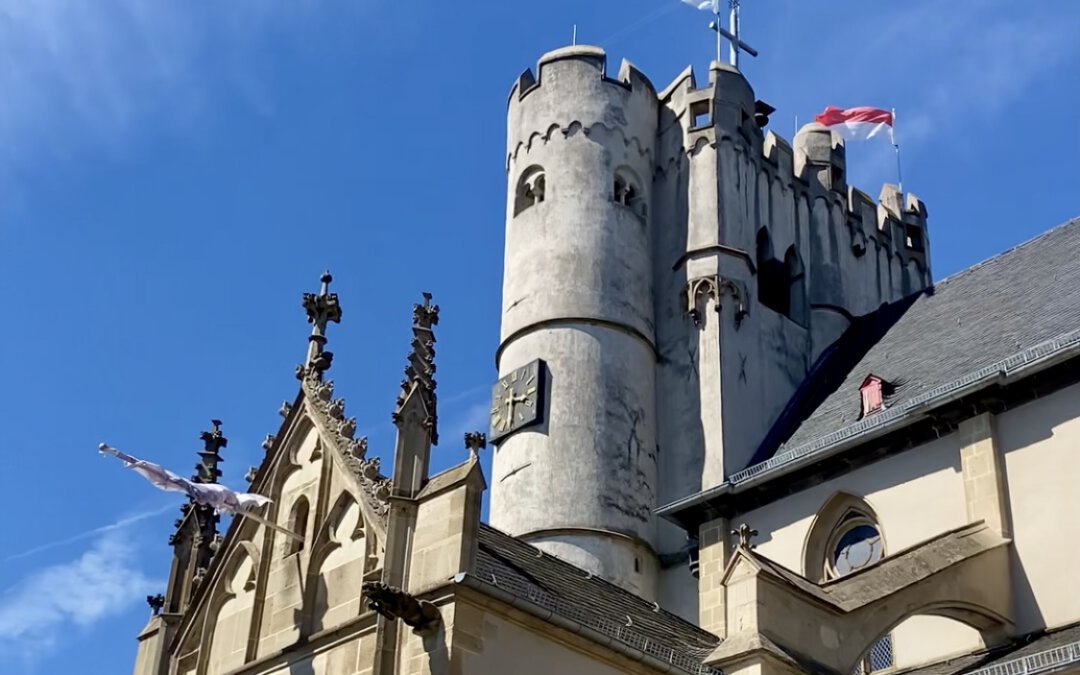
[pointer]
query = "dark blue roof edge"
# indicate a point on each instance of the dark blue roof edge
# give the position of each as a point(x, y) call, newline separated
point(1025, 362)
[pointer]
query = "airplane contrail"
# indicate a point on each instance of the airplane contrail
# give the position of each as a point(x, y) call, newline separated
point(123, 522)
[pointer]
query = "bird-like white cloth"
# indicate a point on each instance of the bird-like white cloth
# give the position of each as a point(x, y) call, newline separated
point(220, 497)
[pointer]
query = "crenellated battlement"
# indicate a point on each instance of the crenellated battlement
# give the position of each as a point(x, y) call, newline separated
point(595, 58)
point(815, 166)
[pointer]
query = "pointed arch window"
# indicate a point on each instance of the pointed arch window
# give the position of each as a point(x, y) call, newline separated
point(626, 191)
point(796, 280)
point(773, 288)
point(531, 188)
point(845, 538)
point(298, 520)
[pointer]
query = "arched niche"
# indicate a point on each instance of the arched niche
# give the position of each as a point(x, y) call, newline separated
point(341, 556)
point(228, 633)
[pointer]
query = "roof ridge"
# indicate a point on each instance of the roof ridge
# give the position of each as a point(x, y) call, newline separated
point(997, 256)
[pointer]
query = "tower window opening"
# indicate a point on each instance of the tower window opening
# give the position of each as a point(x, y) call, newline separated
point(774, 289)
point(530, 189)
point(796, 278)
point(626, 192)
point(298, 519)
point(699, 115)
point(858, 243)
point(913, 237)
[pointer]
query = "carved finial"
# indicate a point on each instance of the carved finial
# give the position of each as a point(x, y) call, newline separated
point(427, 314)
point(321, 309)
point(156, 602)
point(206, 471)
point(475, 441)
point(359, 447)
point(745, 533)
point(420, 371)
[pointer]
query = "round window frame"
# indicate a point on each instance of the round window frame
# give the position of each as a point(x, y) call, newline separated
point(849, 522)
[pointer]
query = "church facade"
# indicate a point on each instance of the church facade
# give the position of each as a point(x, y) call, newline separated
point(737, 428)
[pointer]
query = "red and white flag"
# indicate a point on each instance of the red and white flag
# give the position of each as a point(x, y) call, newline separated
point(859, 124)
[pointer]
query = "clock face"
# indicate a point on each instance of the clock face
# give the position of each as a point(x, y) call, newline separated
point(516, 400)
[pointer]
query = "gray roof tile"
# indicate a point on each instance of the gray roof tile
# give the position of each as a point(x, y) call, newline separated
point(1047, 651)
point(523, 570)
point(986, 313)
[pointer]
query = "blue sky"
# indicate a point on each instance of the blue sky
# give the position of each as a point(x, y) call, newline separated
point(172, 179)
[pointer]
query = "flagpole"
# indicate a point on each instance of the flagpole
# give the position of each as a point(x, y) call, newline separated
point(896, 147)
point(734, 21)
point(719, 38)
point(272, 525)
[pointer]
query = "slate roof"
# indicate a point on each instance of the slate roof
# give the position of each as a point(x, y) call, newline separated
point(524, 571)
point(1040, 652)
point(969, 321)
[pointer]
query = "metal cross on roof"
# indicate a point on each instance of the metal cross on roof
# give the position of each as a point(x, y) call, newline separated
point(731, 34)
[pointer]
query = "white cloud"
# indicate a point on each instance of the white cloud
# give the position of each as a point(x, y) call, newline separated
point(477, 417)
point(950, 64)
point(102, 582)
point(95, 75)
point(952, 70)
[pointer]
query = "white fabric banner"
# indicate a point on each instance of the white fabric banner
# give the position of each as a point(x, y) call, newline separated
point(220, 497)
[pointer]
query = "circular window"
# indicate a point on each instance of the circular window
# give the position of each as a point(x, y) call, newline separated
point(856, 548)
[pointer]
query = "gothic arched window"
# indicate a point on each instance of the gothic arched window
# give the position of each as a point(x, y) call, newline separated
point(530, 189)
point(773, 288)
point(626, 191)
point(845, 538)
point(298, 519)
point(796, 279)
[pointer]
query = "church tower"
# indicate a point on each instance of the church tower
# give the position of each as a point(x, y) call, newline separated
point(578, 317)
point(673, 273)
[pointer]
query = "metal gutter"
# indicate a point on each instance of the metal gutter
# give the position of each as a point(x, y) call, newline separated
point(1053, 659)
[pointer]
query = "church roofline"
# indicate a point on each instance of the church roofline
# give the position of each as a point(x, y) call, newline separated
point(614, 635)
point(695, 509)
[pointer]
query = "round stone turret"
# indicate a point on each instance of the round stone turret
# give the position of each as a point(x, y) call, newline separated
point(577, 295)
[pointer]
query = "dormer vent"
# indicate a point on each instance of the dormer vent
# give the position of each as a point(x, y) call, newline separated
point(872, 393)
